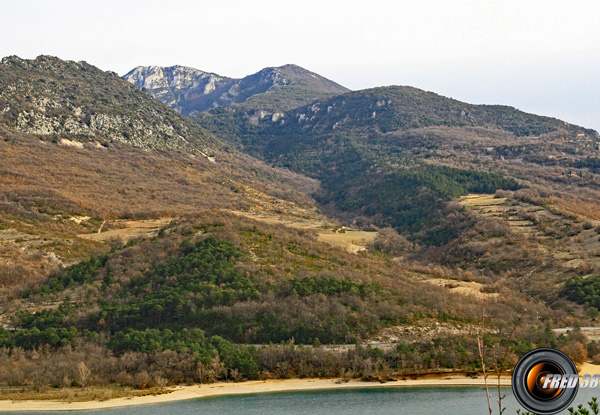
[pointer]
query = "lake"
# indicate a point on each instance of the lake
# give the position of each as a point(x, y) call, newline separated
point(452, 400)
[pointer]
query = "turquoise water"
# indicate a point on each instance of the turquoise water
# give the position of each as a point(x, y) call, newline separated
point(376, 401)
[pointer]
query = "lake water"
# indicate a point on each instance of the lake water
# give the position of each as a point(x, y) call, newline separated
point(453, 400)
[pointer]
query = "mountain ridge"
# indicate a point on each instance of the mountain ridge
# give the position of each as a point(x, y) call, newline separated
point(405, 107)
point(52, 98)
point(289, 85)
point(169, 84)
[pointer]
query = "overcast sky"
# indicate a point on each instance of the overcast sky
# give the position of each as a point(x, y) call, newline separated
point(541, 56)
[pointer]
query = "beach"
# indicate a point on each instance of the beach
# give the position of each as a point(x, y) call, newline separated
point(229, 388)
point(263, 386)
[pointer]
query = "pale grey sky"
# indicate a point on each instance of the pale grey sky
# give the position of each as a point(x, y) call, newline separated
point(540, 56)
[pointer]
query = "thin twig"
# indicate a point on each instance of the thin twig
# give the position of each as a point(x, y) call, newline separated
point(500, 364)
point(480, 347)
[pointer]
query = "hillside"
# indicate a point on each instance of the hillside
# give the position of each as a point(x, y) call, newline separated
point(385, 110)
point(202, 283)
point(67, 198)
point(83, 151)
point(56, 99)
point(400, 157)
point(172, 302)
point(368, 147)
point(191, 91)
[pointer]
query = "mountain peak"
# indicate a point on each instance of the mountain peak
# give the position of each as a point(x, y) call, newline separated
point(39, 61)
point(290, 67)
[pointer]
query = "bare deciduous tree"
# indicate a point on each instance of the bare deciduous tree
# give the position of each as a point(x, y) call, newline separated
point(83, 374)
point(160, 381)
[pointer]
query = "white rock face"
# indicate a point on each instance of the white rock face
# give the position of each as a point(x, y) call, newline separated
point(211, 85)
point(36, 123)
point(156, 77)
point(108, 127)
point(234, 90)
point(174, 84)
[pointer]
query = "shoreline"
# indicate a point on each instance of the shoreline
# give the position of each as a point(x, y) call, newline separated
point(180, 393)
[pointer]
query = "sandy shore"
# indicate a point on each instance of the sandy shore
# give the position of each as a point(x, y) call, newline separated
point(216, 389)
point(588, 369)
point(222, 388)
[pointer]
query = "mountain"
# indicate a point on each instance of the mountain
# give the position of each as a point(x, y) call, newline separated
point(396, 108)
point(423, 164)
point(397, 132)
point(52, 98)
point(191, 91)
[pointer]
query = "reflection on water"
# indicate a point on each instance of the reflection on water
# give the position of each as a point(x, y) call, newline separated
point(454, 400)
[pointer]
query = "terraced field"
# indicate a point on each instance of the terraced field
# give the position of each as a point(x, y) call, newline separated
point(571, 238)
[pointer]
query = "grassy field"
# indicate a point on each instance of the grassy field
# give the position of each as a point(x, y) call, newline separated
point(72, 394)
point(129, 229)
point(350, 239)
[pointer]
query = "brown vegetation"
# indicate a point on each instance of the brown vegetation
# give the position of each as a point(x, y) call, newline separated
point(50, 194)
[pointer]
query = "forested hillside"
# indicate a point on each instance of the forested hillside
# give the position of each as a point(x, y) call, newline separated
point(202, 284)
point(402, 157)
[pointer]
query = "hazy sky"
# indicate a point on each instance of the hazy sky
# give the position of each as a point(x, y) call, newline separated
point(541, 56)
